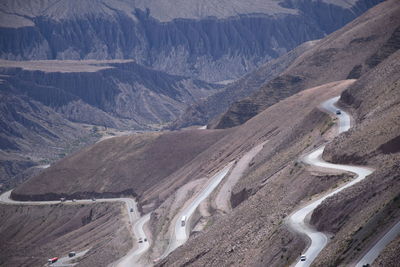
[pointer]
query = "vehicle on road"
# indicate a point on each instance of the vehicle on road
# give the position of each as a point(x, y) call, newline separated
point(183, 220)
point(52, 260)
point(131, 209)
point(72, 254)
point(63, 199)
point(145, 239)
point(338, 112)
point(140, 240)
point(74, 200)
point(93, 199)
point(303, 258)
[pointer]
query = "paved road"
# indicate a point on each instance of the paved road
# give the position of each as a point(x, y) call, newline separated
point(181, 233)
point(133, 257)
point(374, 252)
point(298, 220)
point(136, 221)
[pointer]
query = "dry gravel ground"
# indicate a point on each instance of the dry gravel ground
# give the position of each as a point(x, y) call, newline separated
point(30, 234)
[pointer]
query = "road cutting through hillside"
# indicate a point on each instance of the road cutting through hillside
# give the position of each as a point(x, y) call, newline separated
point(133, 257)
point(182, 230)
point(137, 222)
point(299, 219)
point(374, 252)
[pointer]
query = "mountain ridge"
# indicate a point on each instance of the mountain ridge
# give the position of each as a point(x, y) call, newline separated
point(344, 54)
point(208, 48)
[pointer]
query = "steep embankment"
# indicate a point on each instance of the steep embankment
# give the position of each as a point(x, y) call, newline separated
point(365, 211)
point(128, 165)
point(32, 234)
point(210, 40)
point(347, 53)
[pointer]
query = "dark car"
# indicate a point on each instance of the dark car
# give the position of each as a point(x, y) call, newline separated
point(72, 254)
point(303, 258)
point(338, 112)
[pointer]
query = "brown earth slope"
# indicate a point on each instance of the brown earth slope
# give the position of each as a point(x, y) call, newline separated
point(358, 215)
point(345, 54)
point(275, 183)
point(29, 235)
point(254, 233)
point(126, 165)
point(32, 134)
point(201, 112)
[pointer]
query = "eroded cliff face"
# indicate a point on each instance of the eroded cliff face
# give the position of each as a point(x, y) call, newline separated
point(121, 95)
point(44, 104)
point(347, 53)
point(208, 47)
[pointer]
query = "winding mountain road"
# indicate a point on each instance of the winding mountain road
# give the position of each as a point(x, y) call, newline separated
point(299, 219)
point(181, 232)
point(133, 257)
point(137, 222)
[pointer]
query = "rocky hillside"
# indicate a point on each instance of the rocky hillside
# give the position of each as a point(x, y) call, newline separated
point(203, 111)
point(44, 104)
point(254, 232)
point(31, 234)
point(347, 53)
point(210, 40)
point(274, 183)
point(32, 134)
point(375, 141)
point(105, 93)
point(131, 166)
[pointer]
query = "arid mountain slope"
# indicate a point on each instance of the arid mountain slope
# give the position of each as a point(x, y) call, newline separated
point(201, 112)
point(106, 93)
point(113, 165)
point(44, 103)
point(32, 134)
point(347, 53)
point(210, 40)
point(254, 232)
point(273, 185)
point(127, 165)
point(29, 235)
point(373, 205)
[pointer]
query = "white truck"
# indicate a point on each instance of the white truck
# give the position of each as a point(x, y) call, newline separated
point(183, 220)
